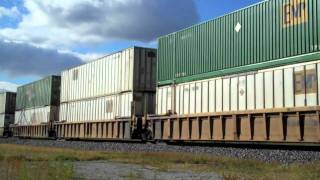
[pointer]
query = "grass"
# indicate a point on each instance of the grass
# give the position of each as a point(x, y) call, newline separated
point(27, 162)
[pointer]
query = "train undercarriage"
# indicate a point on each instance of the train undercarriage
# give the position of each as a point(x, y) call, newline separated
point(299, 126)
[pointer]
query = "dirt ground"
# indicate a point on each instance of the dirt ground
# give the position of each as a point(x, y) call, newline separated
point(96, 170)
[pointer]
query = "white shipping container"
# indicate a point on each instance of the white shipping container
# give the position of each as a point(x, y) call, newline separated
point(2, 120)
point(37, 115)
point(133, 69)
point(282, 87)
point(6, 119)
point(104, 108)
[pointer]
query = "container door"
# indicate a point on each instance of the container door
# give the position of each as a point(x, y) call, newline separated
point(278, 88)
point(219, 95)
point(311, 85)
point(288, 88)
point(234, 94)
point(299, 86)
point(226, 95)
point(242, 93)
point(212, 96)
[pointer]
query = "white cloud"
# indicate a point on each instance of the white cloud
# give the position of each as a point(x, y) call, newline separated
point(6, 86)
point(43, 40)
point(9, 12)
point(86, 57)
point(61, 23)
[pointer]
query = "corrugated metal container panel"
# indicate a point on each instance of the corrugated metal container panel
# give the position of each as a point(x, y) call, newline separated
point(3, 102)
point(107, 108)
point(145, 69)
point(37, 115)
point(2, 120)
point(6, 119)
point(144, 102)
point(282, 87)
point(261, 36)
point(7, 102)
point(133, 69)
point(44, 92)
point(97, 109)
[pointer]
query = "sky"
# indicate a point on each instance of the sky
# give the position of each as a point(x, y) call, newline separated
point(43, 37)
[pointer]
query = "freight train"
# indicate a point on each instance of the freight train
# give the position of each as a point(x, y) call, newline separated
point(250, 76)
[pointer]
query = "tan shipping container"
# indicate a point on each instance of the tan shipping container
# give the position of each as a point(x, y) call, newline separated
point(117, 85)
point(36, 116)
point(283, 87)
point(132, 69)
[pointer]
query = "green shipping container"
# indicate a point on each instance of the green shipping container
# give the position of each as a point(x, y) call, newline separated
point(45, 92)
point(268, 34)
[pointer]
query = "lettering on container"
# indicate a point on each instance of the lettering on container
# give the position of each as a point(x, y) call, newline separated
point(299, 84)
point(295, 12)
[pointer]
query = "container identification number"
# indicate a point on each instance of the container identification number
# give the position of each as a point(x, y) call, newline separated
point(295, 12)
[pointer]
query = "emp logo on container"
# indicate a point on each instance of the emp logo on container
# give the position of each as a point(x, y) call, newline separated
point(295, 12)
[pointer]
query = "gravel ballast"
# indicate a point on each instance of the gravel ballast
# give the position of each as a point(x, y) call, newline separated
point(266, 155)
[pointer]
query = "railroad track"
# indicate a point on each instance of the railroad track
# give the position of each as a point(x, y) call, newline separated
point(270, 153)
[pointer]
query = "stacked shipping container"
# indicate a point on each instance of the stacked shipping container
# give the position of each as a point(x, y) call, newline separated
point(265, 35)
point(198, 68)
point(7, 109)
point(117, 85)
point(38, 102)
point(252, 75)
point(283, 87)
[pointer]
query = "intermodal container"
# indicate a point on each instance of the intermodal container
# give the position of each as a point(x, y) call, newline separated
point(269, 34)
point(121, 84)
point(45, 92)
point(132, 69)
point(290, 86)
point(7, 103)
point(36, 116)
point(107, 107)
point(5, 121)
